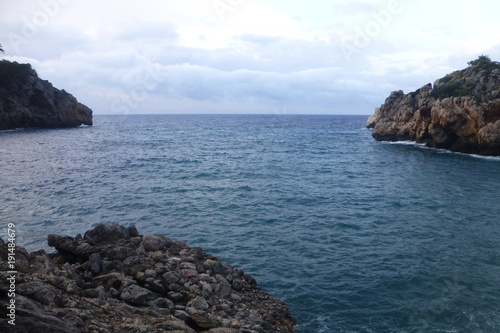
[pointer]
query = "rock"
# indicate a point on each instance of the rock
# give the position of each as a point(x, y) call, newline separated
point(163, 303)
point(72, 247)
point(199, 303)
point(95, 263)
point(182, 315)
point(137, 295)
point(153, 243)
point(223, 288)
point(215, 267)
point(175, 296)
point(29, 318)
point(372, 120)
point(238, 284)
point(108, 280)
point(223, 330)
point(150, 273)
point(27, 101)
point(236, 298)
point(21, 257)
point(188, 265)
point(170, 277)
point(107, 234)
point(187, 273)
point(207, 288)
point(205, 320)
point(461, 112)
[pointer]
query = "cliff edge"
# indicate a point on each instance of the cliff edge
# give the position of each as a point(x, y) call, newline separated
point(460, 112)
point(115, 280)
point(27, 101)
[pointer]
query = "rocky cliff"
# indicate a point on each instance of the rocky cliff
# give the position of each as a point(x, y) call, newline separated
point(114, 280)
point(27, 101)
point(460, 112)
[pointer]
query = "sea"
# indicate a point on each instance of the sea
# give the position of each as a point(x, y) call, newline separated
point(354, 235)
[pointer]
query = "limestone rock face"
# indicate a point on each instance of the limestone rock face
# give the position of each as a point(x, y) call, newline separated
point(115, 280)
point(27, 101)
point(461, 112)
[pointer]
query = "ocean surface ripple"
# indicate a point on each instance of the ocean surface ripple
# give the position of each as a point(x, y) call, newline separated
point(355, 235)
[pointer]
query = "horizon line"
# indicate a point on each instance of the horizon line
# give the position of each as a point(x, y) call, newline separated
point(230, 114)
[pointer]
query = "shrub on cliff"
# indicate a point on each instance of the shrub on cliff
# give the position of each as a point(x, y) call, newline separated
point(484, 63)
point(450, 88)
point(482, 60)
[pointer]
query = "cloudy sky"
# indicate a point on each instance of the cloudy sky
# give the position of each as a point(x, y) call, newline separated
point(245, 56)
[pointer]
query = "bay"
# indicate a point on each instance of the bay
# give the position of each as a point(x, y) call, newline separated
point(355, 235)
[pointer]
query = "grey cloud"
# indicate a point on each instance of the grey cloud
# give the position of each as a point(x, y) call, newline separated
point(317, 87)
point(142, 31)
point(260, 40)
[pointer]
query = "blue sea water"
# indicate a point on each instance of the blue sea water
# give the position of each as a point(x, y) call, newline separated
point(355, 235)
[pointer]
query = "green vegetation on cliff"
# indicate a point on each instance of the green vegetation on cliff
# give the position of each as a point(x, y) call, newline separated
point(465, 82)
point(484, 63)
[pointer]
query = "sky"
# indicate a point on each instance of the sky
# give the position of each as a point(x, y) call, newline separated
point(245, 56)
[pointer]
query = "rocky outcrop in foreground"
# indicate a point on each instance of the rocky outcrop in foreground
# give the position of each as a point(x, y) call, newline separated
point(114, 280)
point(461, 112)
point(27, 101)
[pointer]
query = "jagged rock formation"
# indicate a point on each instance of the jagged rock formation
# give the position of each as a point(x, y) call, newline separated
point(27, 101)
point(114, 280)
point(461, 112)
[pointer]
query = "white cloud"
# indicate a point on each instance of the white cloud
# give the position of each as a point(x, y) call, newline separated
point(261, 56)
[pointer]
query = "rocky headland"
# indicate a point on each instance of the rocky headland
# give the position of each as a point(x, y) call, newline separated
point(460, 112)
point(113, 279)
point(27, 101)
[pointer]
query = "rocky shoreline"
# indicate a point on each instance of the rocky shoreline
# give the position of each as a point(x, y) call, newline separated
point(113, 279)
point(460, 112)
point(26, 101)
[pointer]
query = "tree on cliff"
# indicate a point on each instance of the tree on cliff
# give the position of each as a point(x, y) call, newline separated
point(1, 50)
point(484, 63)
point(482, 59)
